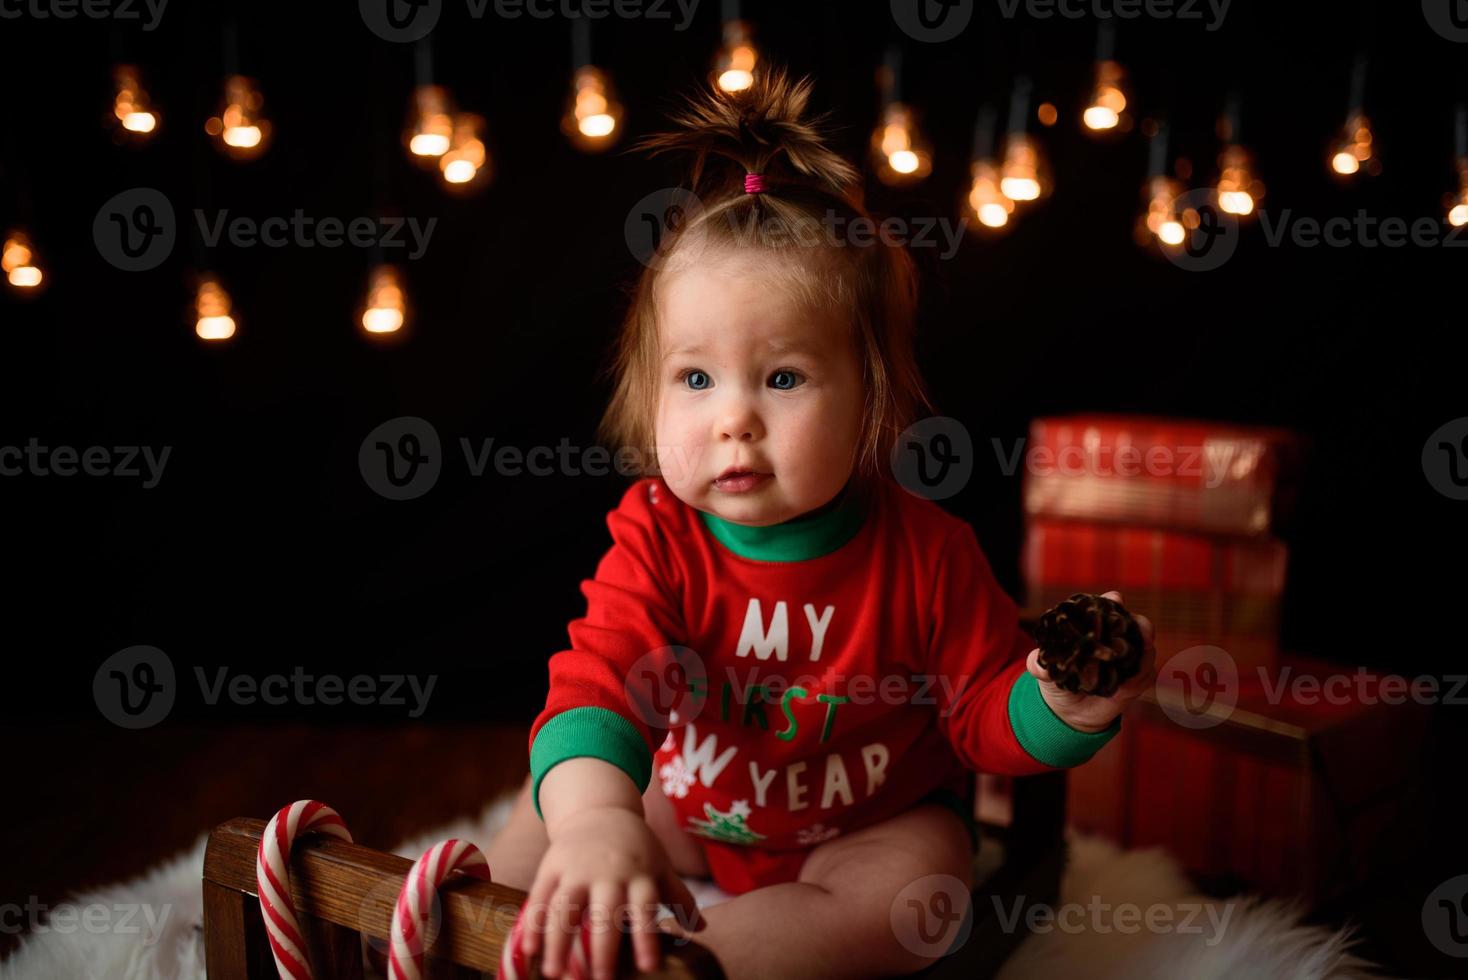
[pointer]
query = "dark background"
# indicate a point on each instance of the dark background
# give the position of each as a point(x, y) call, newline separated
point(262, 547)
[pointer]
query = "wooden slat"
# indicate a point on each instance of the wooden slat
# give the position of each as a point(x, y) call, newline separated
point(354, 887)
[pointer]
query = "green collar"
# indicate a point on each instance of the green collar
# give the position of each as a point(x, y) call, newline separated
point(800, 539)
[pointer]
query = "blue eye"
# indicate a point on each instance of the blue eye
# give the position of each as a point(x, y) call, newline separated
point(785, 380)
point(696, 380)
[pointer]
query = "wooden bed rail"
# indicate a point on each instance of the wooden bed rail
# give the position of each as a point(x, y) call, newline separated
point(344, 892)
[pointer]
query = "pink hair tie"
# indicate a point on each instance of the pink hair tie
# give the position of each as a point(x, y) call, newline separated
point(754, 183)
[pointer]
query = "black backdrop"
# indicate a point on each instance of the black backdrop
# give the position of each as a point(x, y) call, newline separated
point(263, 547)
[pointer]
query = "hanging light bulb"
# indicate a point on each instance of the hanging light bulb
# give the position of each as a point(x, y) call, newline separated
point(1021, 180)
point(593, 117)
point(432, 127)
point(734, 67)
point(1238, 190)
point(898, 150)
point(239, 129)
point(386, 309)
point(1107, 101)
point(131, 106)
point(18, 261)
point(213, 310)
point(466, 158)
point(1458, 211)
point(1353, 148)
point(985, 200)
point(1162, 219)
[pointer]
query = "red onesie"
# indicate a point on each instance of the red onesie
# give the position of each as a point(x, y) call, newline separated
point(790, 683)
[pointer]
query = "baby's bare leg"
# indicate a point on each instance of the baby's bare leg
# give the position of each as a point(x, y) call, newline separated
point(515, 853)
point(838, 919)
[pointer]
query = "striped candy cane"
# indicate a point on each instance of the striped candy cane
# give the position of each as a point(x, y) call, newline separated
point(273, 880)
point(515, 965)
point(405, 954)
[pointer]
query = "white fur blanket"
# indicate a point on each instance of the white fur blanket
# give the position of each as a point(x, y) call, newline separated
point(1096, 934)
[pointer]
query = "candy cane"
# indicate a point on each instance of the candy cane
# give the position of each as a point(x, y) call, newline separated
point(273, 880)
point(405, 954)
point(515, 965)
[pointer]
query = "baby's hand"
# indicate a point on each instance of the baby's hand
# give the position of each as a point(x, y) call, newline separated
point(599, 862)
point(1087, 712)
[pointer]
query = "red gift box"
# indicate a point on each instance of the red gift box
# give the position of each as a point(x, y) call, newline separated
point(1296, 793)
point(1185, 474)
point(1195, 588)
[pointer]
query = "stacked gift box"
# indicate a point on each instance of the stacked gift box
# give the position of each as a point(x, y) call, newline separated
point(1183, 518)
point(1177, 515)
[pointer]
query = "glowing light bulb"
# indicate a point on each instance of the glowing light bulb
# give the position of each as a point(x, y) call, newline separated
point(592, 119)
point(1108, 101)
point(386, 308)
point(466, 157)
point(1353, 148)
point(1238, 190)
point(213, 308)
point(1021, 179)
point(1162, 219)
point(898, 150)
point(131, 105)
point(735, 64)
point(985, 199)
point(18, 261)
point(432, 128)
point(240, 130)
point(1458, 212)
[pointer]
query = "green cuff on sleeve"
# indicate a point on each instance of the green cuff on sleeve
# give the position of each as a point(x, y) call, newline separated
point(1043, 734)
point(596, 732)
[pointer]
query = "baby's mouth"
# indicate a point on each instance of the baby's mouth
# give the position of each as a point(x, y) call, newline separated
point(736, 480)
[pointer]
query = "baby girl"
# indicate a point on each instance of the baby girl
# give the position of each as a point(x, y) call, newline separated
point(811, 660)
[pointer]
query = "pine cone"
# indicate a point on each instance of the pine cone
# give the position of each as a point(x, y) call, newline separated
point(1090, 645)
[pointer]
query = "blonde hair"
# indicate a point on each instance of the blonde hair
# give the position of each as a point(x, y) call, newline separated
point(765, 130)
